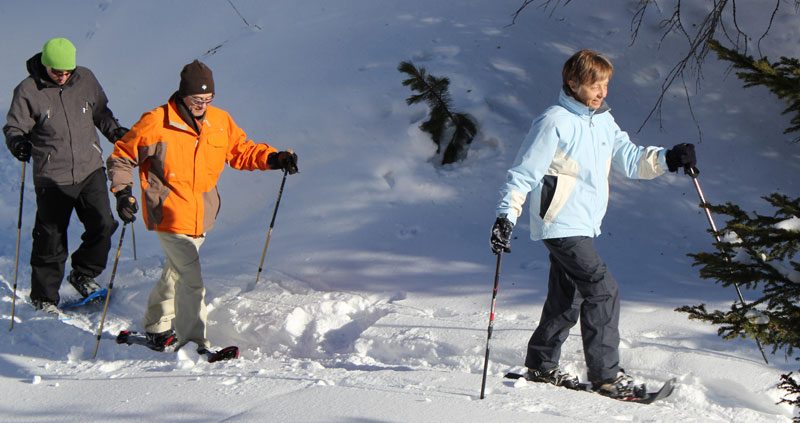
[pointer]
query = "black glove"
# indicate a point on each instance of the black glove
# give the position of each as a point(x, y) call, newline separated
point(283, 160)
point(21, 148)
point(501, 235)
point(126, 205)
point(118, 133)
point(681, 156)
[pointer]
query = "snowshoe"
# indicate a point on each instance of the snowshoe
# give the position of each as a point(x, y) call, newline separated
point(154, 341)
point(227, 353)
point(95, 297)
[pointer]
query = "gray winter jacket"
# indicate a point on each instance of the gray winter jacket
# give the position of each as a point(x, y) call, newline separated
point(60, 122)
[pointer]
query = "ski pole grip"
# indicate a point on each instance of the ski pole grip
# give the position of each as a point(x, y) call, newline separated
point(692, 171)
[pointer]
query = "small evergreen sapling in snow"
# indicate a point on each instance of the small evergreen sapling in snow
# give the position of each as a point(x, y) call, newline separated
point(759, 253)
point(443, 122)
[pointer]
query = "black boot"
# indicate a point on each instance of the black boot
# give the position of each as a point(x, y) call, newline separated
point(159, 341)
point(85, 285)
point(553, 376)
point(621, 386)
point(45, 306)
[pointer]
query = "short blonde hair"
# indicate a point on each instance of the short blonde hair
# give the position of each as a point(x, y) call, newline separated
point(585, 67)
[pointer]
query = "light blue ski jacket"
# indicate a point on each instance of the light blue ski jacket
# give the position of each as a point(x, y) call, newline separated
point(565, 161)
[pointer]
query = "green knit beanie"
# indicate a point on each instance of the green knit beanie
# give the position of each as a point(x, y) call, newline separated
point(59, 53)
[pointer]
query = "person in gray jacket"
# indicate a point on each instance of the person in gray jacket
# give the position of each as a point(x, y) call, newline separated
point(52, 119)
point(564, 163)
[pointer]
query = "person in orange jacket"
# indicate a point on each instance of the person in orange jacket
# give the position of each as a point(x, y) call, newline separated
point(181, 149)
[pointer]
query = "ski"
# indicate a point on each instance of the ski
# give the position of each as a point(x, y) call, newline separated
point(138, 338)
point(95, 297)
point(663, 392)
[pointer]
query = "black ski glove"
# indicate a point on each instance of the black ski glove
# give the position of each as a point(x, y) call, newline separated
point(283, 160)
point(21, 148)
point(118, 133)
point(126, 205)
point(681, 156)
point(501, 235)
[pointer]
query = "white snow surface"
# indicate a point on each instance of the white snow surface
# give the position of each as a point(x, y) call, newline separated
point(374, 301)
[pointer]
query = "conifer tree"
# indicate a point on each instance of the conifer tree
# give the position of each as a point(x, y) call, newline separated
point(760, 253)
point(441, 118)
point(781, 77)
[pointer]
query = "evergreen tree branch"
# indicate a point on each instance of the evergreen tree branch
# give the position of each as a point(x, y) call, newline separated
point(790, 385)
point(757, 251)
point(434, 91)
point(782, 78)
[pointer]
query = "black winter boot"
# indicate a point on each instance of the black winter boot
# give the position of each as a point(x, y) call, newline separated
point(85, 285)
point(46, 307)
point(159, 341)
point(555, 377)
point(622, 386)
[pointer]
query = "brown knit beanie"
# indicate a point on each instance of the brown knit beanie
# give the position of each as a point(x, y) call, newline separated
point(196, 78)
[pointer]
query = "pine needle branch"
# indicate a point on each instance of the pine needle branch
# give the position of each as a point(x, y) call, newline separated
point(434, 91)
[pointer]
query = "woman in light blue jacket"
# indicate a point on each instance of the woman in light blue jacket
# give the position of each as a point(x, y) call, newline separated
point(564, 163)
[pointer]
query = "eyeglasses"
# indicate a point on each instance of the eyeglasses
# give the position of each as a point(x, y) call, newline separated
point(60, 73)
point(199, 101)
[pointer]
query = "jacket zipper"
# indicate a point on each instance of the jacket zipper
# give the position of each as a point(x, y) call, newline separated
point(596, 156)
point(69, 130)
point(197, 222)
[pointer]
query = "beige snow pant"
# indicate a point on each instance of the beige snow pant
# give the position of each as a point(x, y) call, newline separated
point(178, 299)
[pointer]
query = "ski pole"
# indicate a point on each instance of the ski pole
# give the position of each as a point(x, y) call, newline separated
point(133, 238)
point(491, 323)
point(16, 255)
point(269, 231)
point(108, 294)
point(694, 172)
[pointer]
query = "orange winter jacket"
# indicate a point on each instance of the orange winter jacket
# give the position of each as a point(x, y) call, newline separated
point(179, 169)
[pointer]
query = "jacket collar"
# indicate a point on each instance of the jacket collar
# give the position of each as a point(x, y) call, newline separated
point(179, 116)
point(174, 117)
point(37, 71)
point(568, 102)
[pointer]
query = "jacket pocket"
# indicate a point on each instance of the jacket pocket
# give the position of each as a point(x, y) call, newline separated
point(41, 158)
point(216, 155)
point(217, 138)
point(87, 115)
point(556, 191)
point(549, 183)
point(155, 194)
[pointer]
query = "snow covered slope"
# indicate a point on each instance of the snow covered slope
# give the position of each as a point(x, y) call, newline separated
point(375, 298)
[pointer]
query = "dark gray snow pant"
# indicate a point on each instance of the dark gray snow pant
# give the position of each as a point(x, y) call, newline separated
point(580, 286)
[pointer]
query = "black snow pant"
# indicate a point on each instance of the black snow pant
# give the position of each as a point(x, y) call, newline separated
point(580, 287)
point(54, 206)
